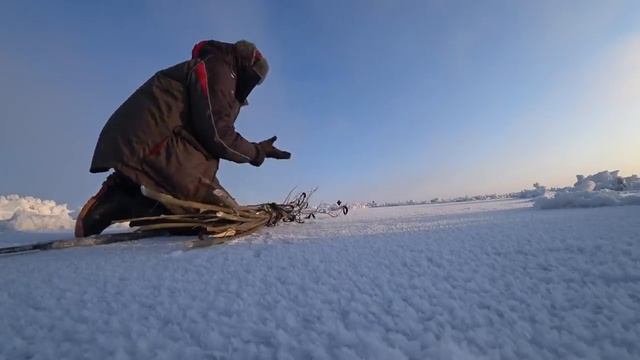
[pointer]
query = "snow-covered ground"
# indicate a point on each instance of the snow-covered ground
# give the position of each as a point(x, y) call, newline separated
point(482, 280)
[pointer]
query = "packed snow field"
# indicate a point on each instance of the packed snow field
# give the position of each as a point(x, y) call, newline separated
point(480, 280)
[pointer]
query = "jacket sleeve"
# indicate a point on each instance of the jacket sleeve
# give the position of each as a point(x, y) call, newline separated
point(212, 118)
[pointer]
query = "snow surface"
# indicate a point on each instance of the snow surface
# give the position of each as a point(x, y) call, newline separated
point(28, 213)
point(480, 280)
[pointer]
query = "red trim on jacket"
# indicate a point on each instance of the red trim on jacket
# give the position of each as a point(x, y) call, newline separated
point(195, 53)
point(155, 149)
point(257, 56)
point(201, 73)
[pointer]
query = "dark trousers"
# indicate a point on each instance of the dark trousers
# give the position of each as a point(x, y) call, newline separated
point(134, 203)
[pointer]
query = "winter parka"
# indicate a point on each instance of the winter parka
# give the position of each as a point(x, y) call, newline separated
point(171, 133)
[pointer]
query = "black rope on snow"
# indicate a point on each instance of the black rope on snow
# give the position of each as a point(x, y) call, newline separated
point(297, 209)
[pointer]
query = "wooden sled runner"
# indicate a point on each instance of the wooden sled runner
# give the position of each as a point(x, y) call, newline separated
point(212, 224)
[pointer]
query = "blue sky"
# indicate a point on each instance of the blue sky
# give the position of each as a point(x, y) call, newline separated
point(377, 100)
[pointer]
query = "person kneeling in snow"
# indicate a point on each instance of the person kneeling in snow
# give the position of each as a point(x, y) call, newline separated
point(172, 132)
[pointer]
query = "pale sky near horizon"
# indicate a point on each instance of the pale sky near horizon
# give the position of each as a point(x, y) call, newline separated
point(377, 100)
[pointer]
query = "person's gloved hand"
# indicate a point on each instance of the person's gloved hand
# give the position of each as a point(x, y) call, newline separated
point(271, 151)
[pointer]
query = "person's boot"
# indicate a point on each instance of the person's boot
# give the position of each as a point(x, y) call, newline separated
point(119, 198)
point(101, 209)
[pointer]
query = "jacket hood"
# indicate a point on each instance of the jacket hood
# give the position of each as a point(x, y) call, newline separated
point(250, 65)
point(248, 57)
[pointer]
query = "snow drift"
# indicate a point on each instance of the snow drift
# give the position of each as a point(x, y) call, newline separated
point(606, 188)
point(538, 190)
point(610, 180)
point(586, 198)
point(32, 214)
